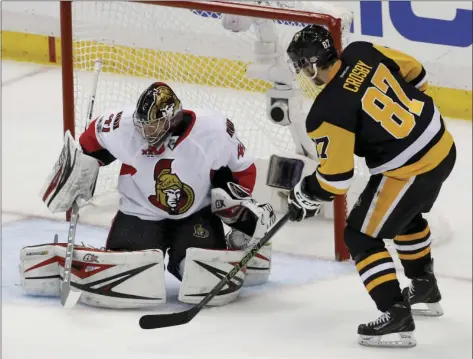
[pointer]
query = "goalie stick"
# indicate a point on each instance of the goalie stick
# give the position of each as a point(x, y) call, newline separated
point(154, 321)
point(69, 295)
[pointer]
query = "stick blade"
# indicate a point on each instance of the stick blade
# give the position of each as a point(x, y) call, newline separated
point(69, 296)
point(155, 321)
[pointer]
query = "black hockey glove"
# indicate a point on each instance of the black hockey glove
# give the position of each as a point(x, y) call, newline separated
point(301, 205)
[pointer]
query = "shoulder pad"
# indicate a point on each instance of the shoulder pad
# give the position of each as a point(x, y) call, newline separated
point(208, 123)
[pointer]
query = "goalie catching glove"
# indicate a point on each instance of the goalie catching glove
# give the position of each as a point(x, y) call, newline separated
point(301, 204)
point(249, 220)
point(72, 179)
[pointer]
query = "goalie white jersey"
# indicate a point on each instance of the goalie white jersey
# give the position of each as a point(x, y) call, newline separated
point(173, 181)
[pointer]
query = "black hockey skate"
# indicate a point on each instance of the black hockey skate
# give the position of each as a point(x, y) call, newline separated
point(394, 328)
point(424, 292)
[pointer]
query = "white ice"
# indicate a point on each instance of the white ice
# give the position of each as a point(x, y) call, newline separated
point(310, 308)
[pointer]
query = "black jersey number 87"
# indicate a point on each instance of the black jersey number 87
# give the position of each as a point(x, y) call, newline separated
point(394, 118)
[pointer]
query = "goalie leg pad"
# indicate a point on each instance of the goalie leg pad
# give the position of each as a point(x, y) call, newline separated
point(125, 280)
point(107, 279)
point(39, 270)
point(119, 279)
point(258, 268)
point(202, 269)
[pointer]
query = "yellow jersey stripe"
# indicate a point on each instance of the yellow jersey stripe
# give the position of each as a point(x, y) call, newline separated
point(413, 256)
point(372, 258)
point(389, 195)
point(428, 162)
point(413, 236)
point(380, 280)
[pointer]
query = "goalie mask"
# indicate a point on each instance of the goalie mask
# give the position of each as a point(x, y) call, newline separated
point(311, 48)
point(157, 113)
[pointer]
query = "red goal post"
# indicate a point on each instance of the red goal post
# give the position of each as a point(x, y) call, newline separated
point(333, 24)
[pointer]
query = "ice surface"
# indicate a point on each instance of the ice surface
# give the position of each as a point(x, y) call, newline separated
point(309, 309)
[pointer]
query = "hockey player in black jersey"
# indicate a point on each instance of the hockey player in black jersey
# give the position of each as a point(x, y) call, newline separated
point(374, 106)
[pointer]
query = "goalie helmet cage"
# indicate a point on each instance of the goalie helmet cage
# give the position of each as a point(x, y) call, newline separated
point(71, 91)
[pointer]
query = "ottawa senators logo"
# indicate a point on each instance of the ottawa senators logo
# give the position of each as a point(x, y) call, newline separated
point(172, 195)
point(200, 232)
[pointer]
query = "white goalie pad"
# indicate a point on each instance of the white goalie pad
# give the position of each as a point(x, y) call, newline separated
point(39, 270)
point(201, 271)
point(72, 178)
point(106, 279)
point(258, 268)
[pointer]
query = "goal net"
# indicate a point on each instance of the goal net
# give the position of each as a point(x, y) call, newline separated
point(184, 44)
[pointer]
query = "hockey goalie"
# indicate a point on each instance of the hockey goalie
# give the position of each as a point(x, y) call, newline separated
point(184, 175)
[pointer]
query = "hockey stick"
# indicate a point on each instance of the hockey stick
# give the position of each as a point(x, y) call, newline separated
point(154, 321)
point(69, 295)
point(90, 110)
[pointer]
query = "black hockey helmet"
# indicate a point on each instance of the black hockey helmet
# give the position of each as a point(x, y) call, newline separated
point(313, 45)
point(158, 111)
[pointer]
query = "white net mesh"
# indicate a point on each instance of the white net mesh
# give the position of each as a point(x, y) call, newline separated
point(319, 7)
point(204, 63)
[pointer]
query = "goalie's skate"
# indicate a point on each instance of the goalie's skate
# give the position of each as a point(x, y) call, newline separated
point(394, 328)
point(424, 293)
